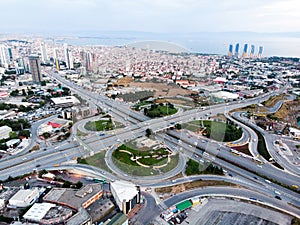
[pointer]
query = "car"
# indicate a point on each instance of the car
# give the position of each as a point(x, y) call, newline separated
point(277, 192)
point(230, 174)
point(277, 197)
point(38, 165)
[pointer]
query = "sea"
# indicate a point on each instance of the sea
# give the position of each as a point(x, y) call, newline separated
point(274, 44)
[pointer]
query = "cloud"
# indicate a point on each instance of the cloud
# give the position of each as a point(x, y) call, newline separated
point(152, 15)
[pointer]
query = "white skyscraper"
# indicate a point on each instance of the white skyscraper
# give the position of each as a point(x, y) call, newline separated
point(4, 56)
point(55, 54)
point(68, 57)
point(44, 53)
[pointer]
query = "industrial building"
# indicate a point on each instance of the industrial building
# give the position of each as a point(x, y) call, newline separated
point(4, 132)
point(24, 198)
point(77, 200)
point(66, 101)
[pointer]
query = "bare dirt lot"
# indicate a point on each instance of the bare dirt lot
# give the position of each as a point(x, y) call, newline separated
point(162, 89)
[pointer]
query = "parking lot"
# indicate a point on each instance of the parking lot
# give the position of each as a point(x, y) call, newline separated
point(225, 211)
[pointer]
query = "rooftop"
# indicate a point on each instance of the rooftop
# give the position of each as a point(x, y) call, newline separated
point(38, 211)
point(80, 217)
point(100, 209)
point(24, 195)
point(124, 190)
point(71, 197)
point(65, 100)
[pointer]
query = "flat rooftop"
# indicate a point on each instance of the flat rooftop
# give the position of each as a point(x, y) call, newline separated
point(124, 190)
point(100, 209)
point(72, 197)
point(80, 217)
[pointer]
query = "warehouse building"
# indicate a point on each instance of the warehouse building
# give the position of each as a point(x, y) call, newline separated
point(24, 198)
point(4, 132)
point(66, 101)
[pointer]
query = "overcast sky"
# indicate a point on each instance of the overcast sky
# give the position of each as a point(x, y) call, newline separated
point(149, 15)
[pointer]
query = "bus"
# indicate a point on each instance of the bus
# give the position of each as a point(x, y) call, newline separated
point(98, 180)
point(257, 161)
point(234, 152)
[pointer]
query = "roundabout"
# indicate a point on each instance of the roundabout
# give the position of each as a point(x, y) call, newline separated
point(149, 159)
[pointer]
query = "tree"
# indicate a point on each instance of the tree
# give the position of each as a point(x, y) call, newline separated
point(42, 172)
point(24, 133)
point(14, 93)
point(67, 184)
point(79, 184)
point(24, 92)
point(148, 132)
point(13, 135)
point(178, 126)
point(46, 135)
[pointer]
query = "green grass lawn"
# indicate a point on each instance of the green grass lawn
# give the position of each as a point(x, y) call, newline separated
point(193, 168)
point(218, 131)
point(160, 110)
point(140, 104)
point(97, 160)
point(125, 158)
point(100, 125)
point(123, 162)
point(171, 165)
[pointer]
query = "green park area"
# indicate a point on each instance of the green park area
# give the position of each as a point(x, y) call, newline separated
point(194, 168)
point(160, 110)
point(97, 160)
point(144, 162)
point(218, 131)
point(102, 125)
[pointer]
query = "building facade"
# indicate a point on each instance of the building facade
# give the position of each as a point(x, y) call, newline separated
point(35, 69)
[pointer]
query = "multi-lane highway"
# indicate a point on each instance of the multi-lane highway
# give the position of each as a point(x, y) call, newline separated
point(178, 141)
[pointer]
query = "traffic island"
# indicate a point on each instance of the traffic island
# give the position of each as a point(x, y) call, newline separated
point(144, 161)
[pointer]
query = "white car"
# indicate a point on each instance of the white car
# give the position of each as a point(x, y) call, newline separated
point(277, 192)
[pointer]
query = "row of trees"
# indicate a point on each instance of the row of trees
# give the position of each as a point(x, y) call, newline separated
point(16, 125)
point(193, 168)
point(158, 110)
point(133, 97)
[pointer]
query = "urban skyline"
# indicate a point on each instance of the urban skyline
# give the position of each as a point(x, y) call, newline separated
point(149, 112)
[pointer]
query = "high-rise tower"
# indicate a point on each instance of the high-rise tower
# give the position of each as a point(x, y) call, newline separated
point(4, 56)
point(260, 51)
point(245, 52)
point(252, 51)
point(230, 51)
point(68, 57)
point(55, 58)
point(35, 69)
point(236, 53)
point(44, 53)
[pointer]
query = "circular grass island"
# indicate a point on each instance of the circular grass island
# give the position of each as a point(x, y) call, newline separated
point(141, 162)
